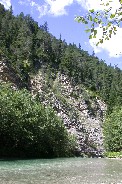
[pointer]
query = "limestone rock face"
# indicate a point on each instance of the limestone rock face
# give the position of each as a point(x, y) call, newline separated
point(81, 111)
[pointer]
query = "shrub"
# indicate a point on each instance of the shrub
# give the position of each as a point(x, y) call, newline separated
point(27, 129)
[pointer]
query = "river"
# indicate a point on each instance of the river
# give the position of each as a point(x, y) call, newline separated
point(61, 171)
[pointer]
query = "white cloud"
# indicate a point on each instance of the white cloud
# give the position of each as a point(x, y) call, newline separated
point(57, 7)
point(6, 3)
point(112, 46)
point(42, 9)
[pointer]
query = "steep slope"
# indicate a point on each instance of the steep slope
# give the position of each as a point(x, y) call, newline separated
point(81, 111)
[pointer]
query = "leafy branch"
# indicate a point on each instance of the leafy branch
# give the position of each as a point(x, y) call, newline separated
point(106, 20)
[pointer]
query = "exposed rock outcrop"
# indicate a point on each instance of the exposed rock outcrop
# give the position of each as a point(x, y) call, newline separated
point(81, 111)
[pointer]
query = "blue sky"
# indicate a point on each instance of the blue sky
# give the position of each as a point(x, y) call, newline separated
point(60, 16)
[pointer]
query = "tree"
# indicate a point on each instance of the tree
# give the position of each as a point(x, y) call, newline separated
point(113, 131)
point(44, 27)
point(108, 20)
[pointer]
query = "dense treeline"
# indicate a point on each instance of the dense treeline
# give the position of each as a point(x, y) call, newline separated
point(26, 46)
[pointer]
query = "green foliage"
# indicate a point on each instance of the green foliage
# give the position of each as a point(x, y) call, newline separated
point(27, 129)
point(104, 19)
point(113, 131)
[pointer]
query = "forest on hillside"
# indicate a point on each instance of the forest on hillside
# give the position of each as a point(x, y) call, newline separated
point(25, 45)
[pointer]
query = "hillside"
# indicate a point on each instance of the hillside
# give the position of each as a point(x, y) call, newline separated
point(81, 111)
point(79, 87)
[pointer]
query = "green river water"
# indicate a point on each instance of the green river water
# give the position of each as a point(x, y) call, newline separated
point(61, 171)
